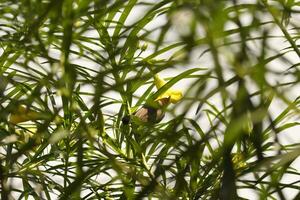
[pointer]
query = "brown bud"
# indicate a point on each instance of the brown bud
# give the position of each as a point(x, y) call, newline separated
point(150, 113)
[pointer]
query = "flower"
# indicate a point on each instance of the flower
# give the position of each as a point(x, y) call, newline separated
point(173, 95)
point(154, 112)
point(238, 161)
point(23, 114)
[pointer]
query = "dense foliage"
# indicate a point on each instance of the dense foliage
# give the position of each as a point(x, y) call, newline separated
point(70, 70)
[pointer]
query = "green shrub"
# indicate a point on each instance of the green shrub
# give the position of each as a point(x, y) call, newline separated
point(72, 70)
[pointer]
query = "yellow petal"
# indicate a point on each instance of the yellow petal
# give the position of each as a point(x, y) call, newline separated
point(158, 81)
point(174, 95)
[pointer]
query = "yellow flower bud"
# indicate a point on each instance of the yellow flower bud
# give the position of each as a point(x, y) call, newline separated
point(238, 161)
point(22, 115)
